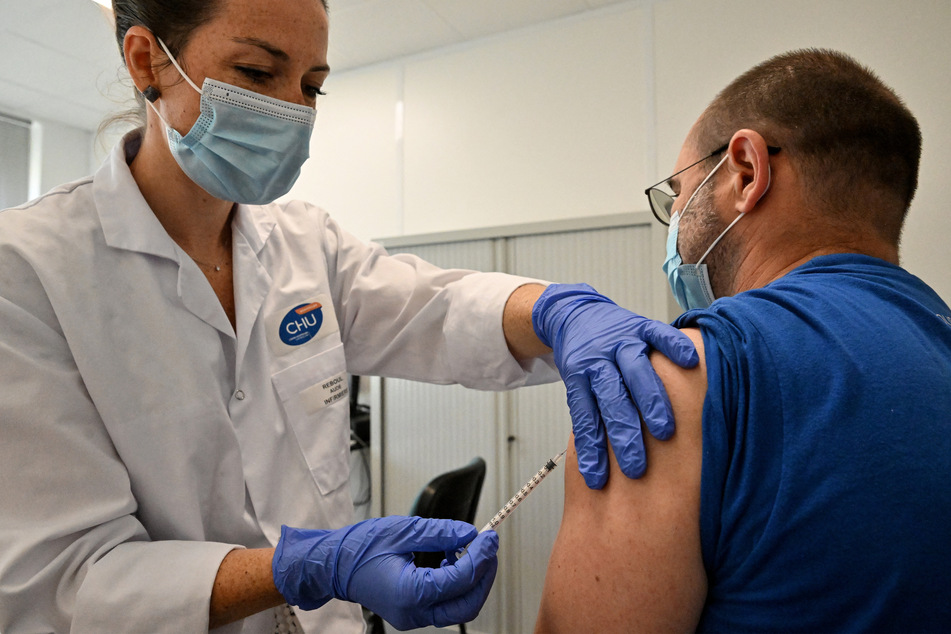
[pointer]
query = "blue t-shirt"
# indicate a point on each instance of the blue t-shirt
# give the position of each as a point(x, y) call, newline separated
point(826, 479)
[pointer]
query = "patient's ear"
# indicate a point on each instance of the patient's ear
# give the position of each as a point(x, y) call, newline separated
point(748, 167)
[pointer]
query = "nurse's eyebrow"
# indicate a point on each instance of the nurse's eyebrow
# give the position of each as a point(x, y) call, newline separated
point(274, 51)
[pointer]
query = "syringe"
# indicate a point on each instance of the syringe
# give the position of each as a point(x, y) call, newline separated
point(512, 504)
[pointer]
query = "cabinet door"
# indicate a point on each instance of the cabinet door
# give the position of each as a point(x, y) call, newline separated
point(430, 429)
point(617, 262)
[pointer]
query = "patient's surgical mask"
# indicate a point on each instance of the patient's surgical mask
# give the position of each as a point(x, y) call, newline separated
point(690, 283)
point(244, 147)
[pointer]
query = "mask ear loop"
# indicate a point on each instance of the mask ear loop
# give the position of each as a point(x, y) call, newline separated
point(769, 181)
point(678, 215)
point(181, 72)
point(702, 183)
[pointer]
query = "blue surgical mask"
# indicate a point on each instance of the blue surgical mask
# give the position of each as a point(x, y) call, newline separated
point(690, 283)
point(244, 147)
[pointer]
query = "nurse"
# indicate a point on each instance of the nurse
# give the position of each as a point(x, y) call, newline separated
point(173, 354)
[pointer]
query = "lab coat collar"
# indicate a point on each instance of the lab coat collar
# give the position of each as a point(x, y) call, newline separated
point(255, 223)
point(129, 223)
point(127, 220)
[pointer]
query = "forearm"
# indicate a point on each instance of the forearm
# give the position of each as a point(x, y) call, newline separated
point(243, 586)
point(520, 336)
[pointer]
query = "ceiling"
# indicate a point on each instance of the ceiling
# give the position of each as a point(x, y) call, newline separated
point(61, 62)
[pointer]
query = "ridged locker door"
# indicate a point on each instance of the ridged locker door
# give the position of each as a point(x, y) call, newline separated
point(429, 429)
point(616, 262)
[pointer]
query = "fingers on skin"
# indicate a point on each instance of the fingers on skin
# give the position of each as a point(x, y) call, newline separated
point(647, 390)
point(671, 342)
point(588, 430)
point(621, 420)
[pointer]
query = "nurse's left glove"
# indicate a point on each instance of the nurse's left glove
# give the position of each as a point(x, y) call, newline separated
point(601, 352)
point(371, 563)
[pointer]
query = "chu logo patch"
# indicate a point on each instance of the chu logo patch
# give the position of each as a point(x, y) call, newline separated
point(306, 320)
point(301, 324)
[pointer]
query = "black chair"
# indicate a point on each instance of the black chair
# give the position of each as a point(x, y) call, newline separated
point(454, 495)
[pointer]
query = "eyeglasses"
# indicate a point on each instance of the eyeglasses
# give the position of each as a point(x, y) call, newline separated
point(662, 202)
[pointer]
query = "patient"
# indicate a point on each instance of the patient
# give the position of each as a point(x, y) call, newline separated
point(807, 485)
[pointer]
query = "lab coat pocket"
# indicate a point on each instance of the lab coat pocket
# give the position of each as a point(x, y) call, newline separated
point(314, 394)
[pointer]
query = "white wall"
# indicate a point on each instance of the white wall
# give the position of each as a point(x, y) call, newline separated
point(575, 117)
point(65, 153)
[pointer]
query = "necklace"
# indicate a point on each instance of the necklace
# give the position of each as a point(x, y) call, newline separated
point(216, 267)
point(207, 265)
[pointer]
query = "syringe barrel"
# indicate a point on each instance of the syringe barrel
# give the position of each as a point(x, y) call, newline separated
point(513, 503)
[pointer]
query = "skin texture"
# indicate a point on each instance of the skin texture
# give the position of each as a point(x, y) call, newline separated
point(627, 557)
point(517, 323)
point(243, 586)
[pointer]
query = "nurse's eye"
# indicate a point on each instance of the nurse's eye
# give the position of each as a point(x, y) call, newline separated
point(256, 75)
point(314, 91)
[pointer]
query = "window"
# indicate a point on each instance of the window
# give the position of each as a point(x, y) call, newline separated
point(14, 161)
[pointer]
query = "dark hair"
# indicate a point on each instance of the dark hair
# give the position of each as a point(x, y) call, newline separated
point(854, 143)
point(171, 21)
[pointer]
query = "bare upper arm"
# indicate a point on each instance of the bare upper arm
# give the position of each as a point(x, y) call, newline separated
point(627, 558)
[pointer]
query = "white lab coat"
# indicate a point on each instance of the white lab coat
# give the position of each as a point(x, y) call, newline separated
point(142, 438)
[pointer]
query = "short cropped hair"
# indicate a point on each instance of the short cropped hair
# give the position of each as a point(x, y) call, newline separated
point(856, 146)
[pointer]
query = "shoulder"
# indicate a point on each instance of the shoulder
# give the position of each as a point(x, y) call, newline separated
point(296, 212)
point(40, 243)
point(47, 229)
point(659, 581)
point(683, 385)
point(54, 206)
point(302, 220)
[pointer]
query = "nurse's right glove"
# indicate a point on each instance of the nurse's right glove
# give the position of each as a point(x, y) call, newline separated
point(601, 352)
point(371, 563)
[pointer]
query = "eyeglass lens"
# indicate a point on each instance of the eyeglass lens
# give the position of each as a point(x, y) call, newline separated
point(661, 204)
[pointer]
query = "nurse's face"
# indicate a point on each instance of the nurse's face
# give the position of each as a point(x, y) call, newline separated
point(274, 47)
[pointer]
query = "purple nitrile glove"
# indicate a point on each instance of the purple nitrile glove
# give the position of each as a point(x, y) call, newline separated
point(601, 352)
point(371, 563)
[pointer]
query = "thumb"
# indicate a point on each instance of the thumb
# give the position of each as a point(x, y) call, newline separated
point(467, 606)
point(670, 342)
point(453, 580)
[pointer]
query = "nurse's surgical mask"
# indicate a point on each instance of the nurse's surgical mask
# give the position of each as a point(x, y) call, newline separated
point(244, 147)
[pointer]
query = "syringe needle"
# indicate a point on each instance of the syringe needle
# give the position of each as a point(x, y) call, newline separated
point(517, 499)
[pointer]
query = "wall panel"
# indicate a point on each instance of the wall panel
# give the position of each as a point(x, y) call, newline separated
point(354, 169)
point(539, 126)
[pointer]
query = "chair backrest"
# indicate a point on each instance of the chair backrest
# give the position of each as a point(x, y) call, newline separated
point(454, 495)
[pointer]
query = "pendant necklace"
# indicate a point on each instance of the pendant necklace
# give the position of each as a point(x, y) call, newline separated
point(216, 267)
